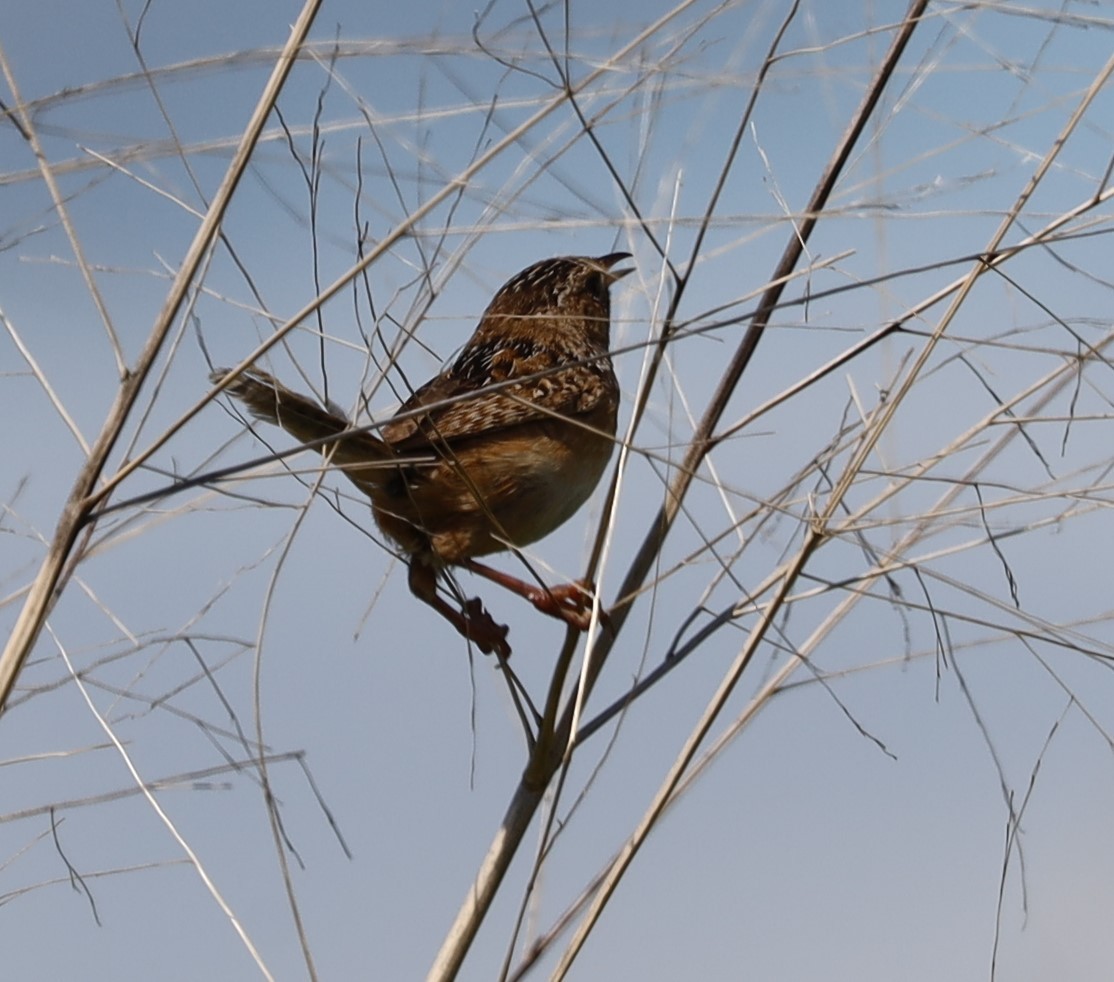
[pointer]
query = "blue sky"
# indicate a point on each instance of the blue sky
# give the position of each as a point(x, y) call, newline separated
point(859, 823)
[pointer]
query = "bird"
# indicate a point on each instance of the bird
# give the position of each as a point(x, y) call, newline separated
point(495, 452)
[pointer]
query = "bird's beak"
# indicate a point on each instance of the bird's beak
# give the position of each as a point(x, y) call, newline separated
point(610, 260)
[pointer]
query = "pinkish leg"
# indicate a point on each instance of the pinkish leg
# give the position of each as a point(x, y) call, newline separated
point(569, 602)
point(474, 622)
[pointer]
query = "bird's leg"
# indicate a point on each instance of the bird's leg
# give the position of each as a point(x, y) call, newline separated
point(475, 623)
point(569, 602)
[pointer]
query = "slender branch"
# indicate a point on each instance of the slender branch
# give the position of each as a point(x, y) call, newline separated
point(820, 530)
point(31, 134)
point(82, 499)
point(549, 752)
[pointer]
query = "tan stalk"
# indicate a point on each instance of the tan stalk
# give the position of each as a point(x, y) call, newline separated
point(819, 532)
point(549, 751)
point(83, 497)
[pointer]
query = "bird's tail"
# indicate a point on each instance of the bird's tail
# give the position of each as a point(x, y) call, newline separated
point(363, 457)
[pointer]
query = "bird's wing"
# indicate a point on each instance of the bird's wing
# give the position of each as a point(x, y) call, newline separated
point(476, 396)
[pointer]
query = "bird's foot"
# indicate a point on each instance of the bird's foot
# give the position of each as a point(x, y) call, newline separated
point(569, 602)
point(479, 627)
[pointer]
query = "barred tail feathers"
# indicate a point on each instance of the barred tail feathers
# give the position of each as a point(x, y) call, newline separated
point(268, 399)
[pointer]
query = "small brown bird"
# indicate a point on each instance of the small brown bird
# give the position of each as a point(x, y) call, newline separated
point(495, 452)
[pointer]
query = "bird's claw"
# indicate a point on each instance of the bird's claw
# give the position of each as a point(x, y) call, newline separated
point(480, 627)
point(570, 602)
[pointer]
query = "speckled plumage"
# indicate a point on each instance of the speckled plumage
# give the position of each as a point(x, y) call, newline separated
point(496, 451)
